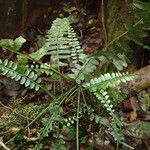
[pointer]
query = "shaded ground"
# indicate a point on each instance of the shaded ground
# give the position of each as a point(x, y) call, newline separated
point(86, 20)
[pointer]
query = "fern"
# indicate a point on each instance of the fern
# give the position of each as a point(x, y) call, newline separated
point(51, 122)
point(69, 121)
point(116, 132)
point(108, 80)
point(63, 40)
point(142, 5)
point(100, 85)
point(80, 71)
point(61, 43)
point(43, 68)
point(93, 116)
point(28, 78)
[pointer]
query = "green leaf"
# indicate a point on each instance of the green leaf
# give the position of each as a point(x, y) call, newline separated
point(18, 42)
point(32, 85)
point(142, 5)
point(97, 119)
point(39, 54)
point(27, 83)
point(68, 9)
point(31, 75)
point(6, 43)
point(23, 80)
point(37, 87)
point(23, 60)
point(18, 77)
point(136, 31)
point(119, 62)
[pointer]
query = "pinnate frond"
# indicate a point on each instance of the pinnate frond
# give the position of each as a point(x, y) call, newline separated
point(29, 78)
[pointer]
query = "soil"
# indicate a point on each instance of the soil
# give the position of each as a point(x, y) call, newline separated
point(88, 26)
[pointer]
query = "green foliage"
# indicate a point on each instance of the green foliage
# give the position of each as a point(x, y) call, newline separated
point(100, 85)
point(145, 127)
point(43, 68)
point(51, 124)
point(113, 58)
point(58, 143)
point(13, 45)
point(61, 43)
point(142, 5)
point(144, 98)
point(138, 30)
point(108, 80)
point(28, 78)
point(93, 116)
point(80, 72)
point(119, 36)
point(116, 132)
point(138, 129)
point(69, 121)
point(63, 49)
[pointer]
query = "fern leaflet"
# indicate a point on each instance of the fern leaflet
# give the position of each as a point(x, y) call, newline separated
point(28, 78)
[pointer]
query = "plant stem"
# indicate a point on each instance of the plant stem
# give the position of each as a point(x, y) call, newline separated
point(103, 22)
point(77, 125)
point(64, 96)
point(118, 37)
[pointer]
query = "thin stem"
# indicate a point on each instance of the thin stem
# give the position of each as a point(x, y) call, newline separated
point(77, 125)
point(83, 96)
point(47, 92)
point(64, 96)
point(103, 22)
point(4, 146)
point(118, 37)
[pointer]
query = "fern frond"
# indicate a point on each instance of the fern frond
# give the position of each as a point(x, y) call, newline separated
point(61, 43)
point(116, 132)
point(43, 68)
point(105, 100)
point(108, 80)
point(99, 87)
point(29, 78)
point(81, 71)
point(93, 115)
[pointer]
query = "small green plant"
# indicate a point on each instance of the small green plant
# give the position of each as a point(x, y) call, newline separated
point(140, 31)
point(63, 48)
point(100, 85)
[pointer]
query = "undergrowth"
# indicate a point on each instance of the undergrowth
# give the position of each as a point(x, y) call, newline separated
point(93, 95)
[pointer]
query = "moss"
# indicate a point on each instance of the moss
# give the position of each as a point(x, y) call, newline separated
point(19, 114)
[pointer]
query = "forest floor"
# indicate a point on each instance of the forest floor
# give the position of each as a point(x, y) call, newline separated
point(19, 106)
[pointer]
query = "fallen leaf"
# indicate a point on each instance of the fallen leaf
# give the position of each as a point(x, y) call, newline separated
point(133, 116)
